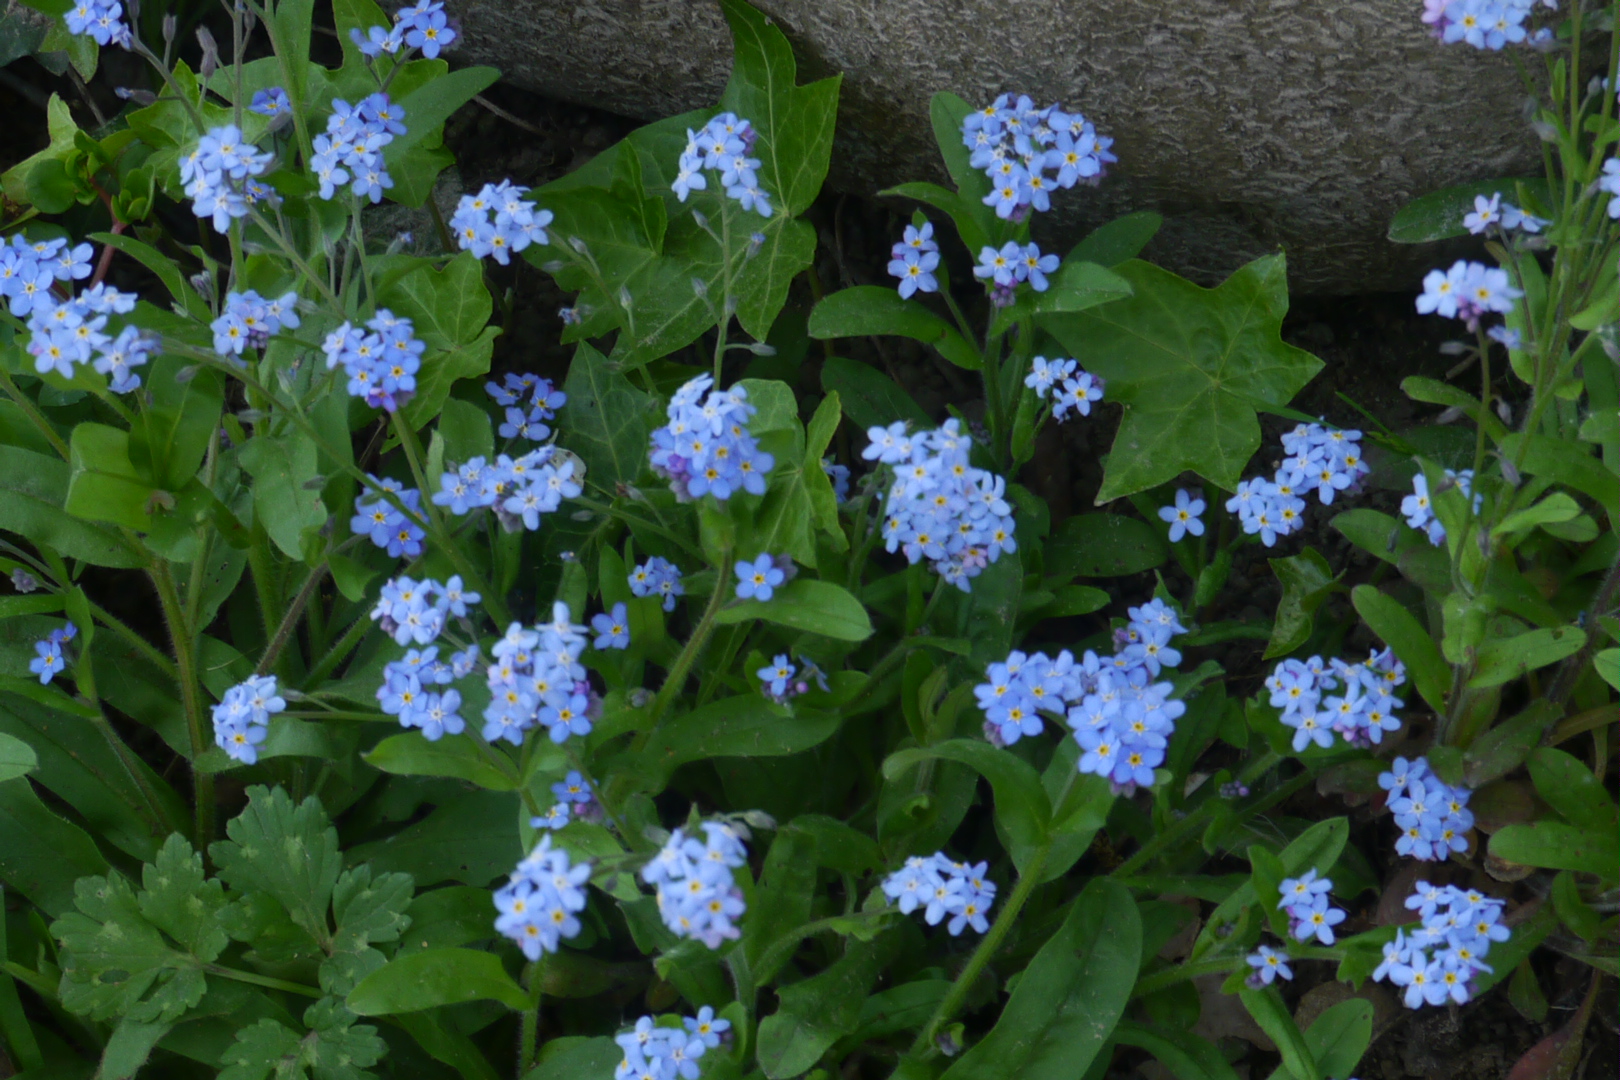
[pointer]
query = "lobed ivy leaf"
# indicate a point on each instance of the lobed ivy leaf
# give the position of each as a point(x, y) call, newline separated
point(288, 852)
point(450, 309)
point(1191, 366)
point(282, 468)
point(608, 421)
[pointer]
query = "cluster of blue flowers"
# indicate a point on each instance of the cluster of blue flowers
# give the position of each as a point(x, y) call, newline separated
point(940, 507)
point(28, 268)
point(839, 475)
point(1437, 962)
point(1360, 713)
point(1121, 719)
point(399, 532)
point(942, 886)
point(1269, 965)
point(381, 365)
point(521, 490)
point(697, 896)
point(1310, 915)
point(1326, 460)
point(49, 658)
point(219, 173)
point(1467, 291)
point(706, 448)
point(72, 332)
point(781, 681)
point(658, 577)
point(499, 221)
point(913, 260)
point(723, 145)
point(536, 680)
point(1433, 816)
point(575, 799)
point(1418, 508)
point(1485, 24)
point(249, 319)
point(421, 26)
point(538, 904)
point(351, 150)
point(654, 1051)
point(415, 612)
point(530, 402)
point(1028, 153)
point(242, 717)
point(1185, 515)
point(1504, 216)
point(1012, 264)
point(100, 20)
point(272, 101)
point(1073, 390)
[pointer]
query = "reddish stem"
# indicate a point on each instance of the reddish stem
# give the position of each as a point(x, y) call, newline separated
point(106, 255)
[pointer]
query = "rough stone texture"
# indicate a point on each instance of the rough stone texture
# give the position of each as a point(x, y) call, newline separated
point(1250, 124)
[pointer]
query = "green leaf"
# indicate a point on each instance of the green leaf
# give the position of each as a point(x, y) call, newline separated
point(1336, 1039)
point(946, 112)
point(1191, 366)
point(1573, 911)
point(1268, 1010)
point(1385, 616)
point(816, 1012)
point(1069, 998)
point(1187, 1056)
point(742, 726)
point(170, 436)
point(33, 489)
point(336, 1048)
point(128, 1048)
point(795, 123)
point(874, 310)
point(781, 901)
point(283, 499)
point(105, 485)
point(471, 839)
point(17, 758)
point(573, 1057)
point(1119, 240)
point(428, 106)
point(451, 309)
point(1556, 507)
point(367, 910)
point(868, 397)
point(1023, 812)
point(425, 980)
point(1306, 581)
point(116, 962)
point(1076, 286)
point(465, 430)
point(818, 607)
point(1557, 846)
point(62, 130)
point(1439, 214)
point(44, 853)
point(289, 852)
point(167, 271)
point(608, 422)
point(1569, 787)
point(1104, 545)
point(1501, 660)
point(966, 215)
point(458, 756)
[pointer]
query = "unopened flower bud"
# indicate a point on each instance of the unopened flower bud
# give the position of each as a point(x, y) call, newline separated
point(759, 348)
point(578, 245)
point(23, 581)
point(624, 297)
point(700, 288)
point(171, 26)
point(210, 56)
point(759, 819)
point(553, 266)
point(1454, 348)
point(640, 697)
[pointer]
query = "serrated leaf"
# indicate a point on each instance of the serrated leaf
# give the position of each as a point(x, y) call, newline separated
point(181, 902)
point(1191, 366)
point(289, 852)
point(116, 963)
point(336, 1048)
point(366, 911)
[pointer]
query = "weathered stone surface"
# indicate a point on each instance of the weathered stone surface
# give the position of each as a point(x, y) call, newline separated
point(1250, 125)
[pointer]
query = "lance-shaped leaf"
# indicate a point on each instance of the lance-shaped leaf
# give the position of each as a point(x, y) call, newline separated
point(1191, 367)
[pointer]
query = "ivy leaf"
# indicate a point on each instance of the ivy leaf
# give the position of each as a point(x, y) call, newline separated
point(450, 309)
point(282, 469)
point(288, 852)
point(608, 422)
point(366, 910)
point(1191, 367)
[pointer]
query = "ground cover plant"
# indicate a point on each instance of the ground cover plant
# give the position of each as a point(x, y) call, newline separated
point(366, 712)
